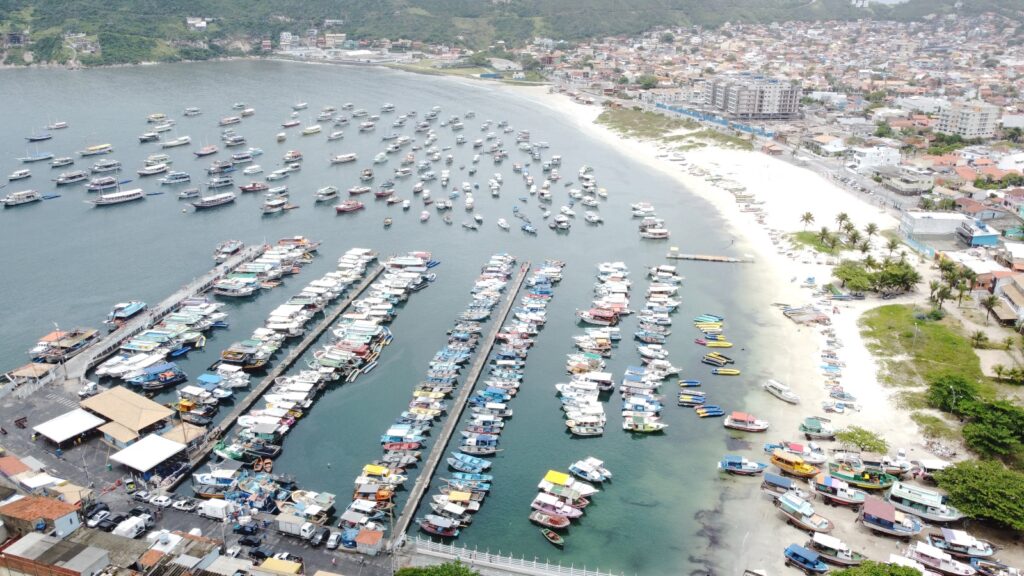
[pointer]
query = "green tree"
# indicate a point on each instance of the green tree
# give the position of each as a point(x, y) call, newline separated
point(978, 338)
point(807, 218)
point(668, 38)
point(842, 218)
point(647, 82)
point(863, 439)
point(872, 568)
point(823, 234)
point(446, 569)
point(871, 229)
point(985, 489)
point(989, 303)
point(952, 393)
point(999, 370)
point(892, 245)
point(884, 130)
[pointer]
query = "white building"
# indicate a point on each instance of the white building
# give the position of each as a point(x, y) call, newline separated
point(866, 160)
point(969, 119)
point(285, 40)
point(914, 223)
point(924, 104)
point(749, 97)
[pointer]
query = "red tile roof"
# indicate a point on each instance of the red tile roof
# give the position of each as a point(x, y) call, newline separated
point(32, 508)
point(11, 466)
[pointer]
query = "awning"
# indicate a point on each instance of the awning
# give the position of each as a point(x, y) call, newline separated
point(556, 477)
point(68, 425)
point(147, 453)
point(1014, 295)
point(118, 432)
point(1003, 312)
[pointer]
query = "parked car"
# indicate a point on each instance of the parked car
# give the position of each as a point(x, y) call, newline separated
point(334, 541)
point(185, 505)
point(108, 525)
point(139, 511)
point(320, 537)
point(233, 552)
point(142, 496)
point(246, 529)
point(97, 517)
point(288, 556)
point(94, 508)
point(260, 553)
point(250, 541)
point(161, 501)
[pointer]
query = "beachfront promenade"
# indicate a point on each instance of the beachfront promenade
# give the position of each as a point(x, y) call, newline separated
point(441, 444)
point(241, 407)
point(425, 552)
point(76, 368)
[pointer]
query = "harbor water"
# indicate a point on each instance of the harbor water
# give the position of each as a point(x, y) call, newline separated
point(67, 262)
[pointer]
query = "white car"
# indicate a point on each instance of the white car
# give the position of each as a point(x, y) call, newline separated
point(161, 501)
point(185, 505)
point(96, 518)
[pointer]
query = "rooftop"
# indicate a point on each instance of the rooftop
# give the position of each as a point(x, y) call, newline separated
point(131, 410)
point(32, 508)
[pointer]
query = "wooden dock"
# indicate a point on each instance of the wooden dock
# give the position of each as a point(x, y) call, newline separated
point(455, 414)
point(77, 367)
point(217, 432)
point(676, 255)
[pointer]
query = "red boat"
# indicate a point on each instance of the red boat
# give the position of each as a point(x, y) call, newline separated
point(440, 526)
point(348, 206)
point(254, 187)
point(549, 520)
point(401, 446)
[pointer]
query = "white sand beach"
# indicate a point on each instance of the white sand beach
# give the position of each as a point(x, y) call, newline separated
point(783, 192)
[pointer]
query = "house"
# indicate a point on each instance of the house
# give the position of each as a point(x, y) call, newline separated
point(27, 514)
point(36, 553)
point(369, 541)
point(977, 233)
point(915, 224)
point(869, 159)
point(1011, 255)
point(1011, 293)
point(825, 145)
point(906, 180)
point(977, 210)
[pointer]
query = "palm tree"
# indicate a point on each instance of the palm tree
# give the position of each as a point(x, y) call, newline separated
point(933, 287)
point(942, 294)
point(892, 245)
point(961, 289)
point(999, 369)
point(853, 236)
point(1008, 343)
point(864, 246)
point(842, 218)
point(977, 337)
point(823, 234)
point(871, 229)
point(807, 218)
point(989, 303)
point(870, 263)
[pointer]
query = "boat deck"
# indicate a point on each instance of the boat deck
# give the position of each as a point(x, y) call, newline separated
point(77, 367)
point(243, 405)
point(458, 407)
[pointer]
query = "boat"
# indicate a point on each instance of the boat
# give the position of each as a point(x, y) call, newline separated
point(929, 504)
point(881, 516)
point(817, 428)
point(176, 178)
point(387, 222)
point(726, 371)
point(106, 165)
point(590, 469)
point(836, 491)
point(780, 391)
point(62, 161)
point(206, 151)
point(937, 560)
point(806, 560)
point(96, 150)
point(19, 175)
point(337, 135)
point(39, 137)
point(961, 544)
point(834, 551)
point(152, 170)
point(179, 141)
point(801, 513)
point(156, 117)
point(229, 120)
point(254, 187)
point(745, 422)
point(122, 312)
point(149, 137)
point(553, 537)
point(214, 200)
point(326, 193)
point(344, 158)
point(71, 177)
point(188, 193)
point(440, 526)
point(119, 197)
point(274, 204)
point(281, 137)
point(192, 111)
point(643, 424)
point(349, 206)
point(993, 568)
point(740, 466)
point(18, 198)
point(60, 345)
point(311, 130)
point(424, 216)
point(58, 125)
point(793, 465)
point(226, 249)
point(860, 476)
point(300, 106)
point(36, 157)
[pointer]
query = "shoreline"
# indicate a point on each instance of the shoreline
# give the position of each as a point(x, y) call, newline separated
point(778, 185)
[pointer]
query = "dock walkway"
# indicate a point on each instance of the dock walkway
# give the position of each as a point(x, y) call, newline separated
point(217, 432)
point(425, 552)
point(77, 367)
point(458, 407)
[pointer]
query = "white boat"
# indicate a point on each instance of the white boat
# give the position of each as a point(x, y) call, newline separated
point(20, 174)
point(119, 197)
point(192, 111)
point(300, 106)
point(503, 224)
point(274, 204)
point(19, 198)
point(310, 130)
point(338, 135)
point(592, 217)
point(326, 193)
point(152, 170)
point(344, 158)
point(254, 169)
point(179, 141)
point(424, 216)
point(780, 391)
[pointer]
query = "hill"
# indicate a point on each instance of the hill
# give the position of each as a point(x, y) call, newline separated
point(133, 30)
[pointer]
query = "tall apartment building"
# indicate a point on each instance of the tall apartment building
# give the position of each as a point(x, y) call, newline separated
point(752, 97)
point(969, 119)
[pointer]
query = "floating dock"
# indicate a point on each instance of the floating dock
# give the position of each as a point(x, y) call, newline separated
point(455, 415)
point(215, 433)
point(77, 367)
point(675, 254)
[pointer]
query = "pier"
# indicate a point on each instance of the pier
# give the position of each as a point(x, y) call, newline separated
point(425, 552)
point(675, 254)
point(76, 368)
point(217, 432)
point(458, 407)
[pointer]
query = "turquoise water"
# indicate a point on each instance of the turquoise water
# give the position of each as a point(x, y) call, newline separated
point(65, 261)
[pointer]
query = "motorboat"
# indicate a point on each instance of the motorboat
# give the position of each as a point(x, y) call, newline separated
point(780, 391)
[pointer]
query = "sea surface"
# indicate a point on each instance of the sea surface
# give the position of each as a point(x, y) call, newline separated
point(64, 261)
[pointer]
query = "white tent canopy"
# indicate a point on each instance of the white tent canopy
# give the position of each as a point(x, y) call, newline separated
point(148, 452)
point(69, 425)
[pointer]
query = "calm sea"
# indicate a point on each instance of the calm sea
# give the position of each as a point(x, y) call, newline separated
point(64, 261)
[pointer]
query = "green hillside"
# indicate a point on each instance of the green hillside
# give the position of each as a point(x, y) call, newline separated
point(132, 30)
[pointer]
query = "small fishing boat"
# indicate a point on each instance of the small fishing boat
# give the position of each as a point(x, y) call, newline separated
point(349, 206)
point(740, 466)
point(928, 504)
point(793, 465)
point(881, 516)
point(937, 560)
point(19, 174)
point(553, 537)
point(387, 222)
point(801, 513)
point(834, 551)
point(62, 161)
point(745, 422)
point(804, 559)
point(836, 491)
point(961, 544)
point(780, 391)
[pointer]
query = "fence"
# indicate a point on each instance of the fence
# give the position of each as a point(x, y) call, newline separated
point(479, 559)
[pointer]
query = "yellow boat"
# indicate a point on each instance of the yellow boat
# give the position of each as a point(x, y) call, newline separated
point(701, 325)
point(793, 465)
point(726, 371)
point(427, 394)
point(718, 344)
point(426, 412)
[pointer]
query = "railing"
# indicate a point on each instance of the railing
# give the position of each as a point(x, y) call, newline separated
point(486, 559)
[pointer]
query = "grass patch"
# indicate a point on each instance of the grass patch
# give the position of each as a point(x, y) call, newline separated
point(640, 124)
point(724, 139)
point(934, 427)
point(912, 400)
point(926, 348)
point(810, 239)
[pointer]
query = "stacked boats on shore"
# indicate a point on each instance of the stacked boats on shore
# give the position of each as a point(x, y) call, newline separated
point(563, 498)
point(462, 494)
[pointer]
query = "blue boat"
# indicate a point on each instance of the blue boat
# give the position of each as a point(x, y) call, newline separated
point(804, 559)
point(123, 311)
point(740, 466)
point(689, 383)
point(472, 477)
point(159, 376)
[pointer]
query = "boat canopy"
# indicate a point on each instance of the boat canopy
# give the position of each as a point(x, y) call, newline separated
point(961, 538)
point(880, 509)
point(830, 481)
point(810, 556)
point(779, 481)
point(917, 494)
point(786, 457)
point(363, 506)
point(545, 498)
point(457, 496)
point(455, 509)
point(925, 549)
point(830, 542)
point(375, 470)
point(208, 381)
point(556, 477)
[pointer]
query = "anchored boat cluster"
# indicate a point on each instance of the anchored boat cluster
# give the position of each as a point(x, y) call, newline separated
point(464, 493)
